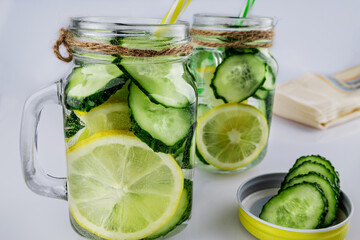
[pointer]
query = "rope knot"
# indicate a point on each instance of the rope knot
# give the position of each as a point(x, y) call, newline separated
point(64, 34)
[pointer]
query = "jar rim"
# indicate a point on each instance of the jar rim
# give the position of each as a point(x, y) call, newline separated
point(143, 34)
point(116, 21)
point(205, 21)
point(115, 26)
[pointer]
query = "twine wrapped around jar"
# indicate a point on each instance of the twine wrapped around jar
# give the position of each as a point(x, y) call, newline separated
point(66, 39)
point(240, 39)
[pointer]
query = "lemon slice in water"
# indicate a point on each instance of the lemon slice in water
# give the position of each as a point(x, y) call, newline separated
point(231, 135)
point(108, 116)
point(119, 188)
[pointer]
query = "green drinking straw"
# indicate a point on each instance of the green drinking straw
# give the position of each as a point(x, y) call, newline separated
point(246, 8)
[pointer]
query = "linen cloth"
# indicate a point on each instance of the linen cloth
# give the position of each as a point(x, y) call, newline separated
point(320, 101)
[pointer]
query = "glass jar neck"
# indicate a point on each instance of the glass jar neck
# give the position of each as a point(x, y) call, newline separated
point(224, 31)
point(229, 23)
point(128, 33)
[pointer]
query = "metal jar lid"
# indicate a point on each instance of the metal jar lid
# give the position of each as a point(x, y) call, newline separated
point(254, 193)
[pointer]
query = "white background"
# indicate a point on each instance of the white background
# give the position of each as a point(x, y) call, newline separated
point(321, 36)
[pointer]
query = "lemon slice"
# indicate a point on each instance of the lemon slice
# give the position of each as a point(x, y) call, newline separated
point(79, 136)
point(108, 116)
point(231, 135)
point(119, 188)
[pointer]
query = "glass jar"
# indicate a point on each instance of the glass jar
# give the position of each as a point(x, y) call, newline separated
point(236, 74)
point(129, 118)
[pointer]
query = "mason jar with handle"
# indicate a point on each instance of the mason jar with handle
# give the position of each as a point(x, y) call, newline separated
point(129, 107)
point(236, 74)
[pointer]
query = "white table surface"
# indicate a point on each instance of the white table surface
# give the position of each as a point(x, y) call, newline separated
point(321, 36)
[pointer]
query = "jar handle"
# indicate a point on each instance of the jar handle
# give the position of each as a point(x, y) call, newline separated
point(36, 179)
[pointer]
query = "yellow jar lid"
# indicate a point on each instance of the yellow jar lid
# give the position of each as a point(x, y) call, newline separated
point(254, 193)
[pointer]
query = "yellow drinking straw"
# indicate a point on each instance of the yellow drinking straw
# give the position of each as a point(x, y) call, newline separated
point(175, 11)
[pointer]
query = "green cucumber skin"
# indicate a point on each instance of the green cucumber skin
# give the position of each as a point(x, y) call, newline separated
point(85, 104)
point(200, 157)
point(191, 82)
point(261, 93)
point(187, 161)
point(188, 187)
point(321, 160)
point(315, 186)
point(265, 55)
point(72, 124)
point(183, 154)
point(215, 91)
point(314, 177)
point(325, 172)
point(152, 99)
point(155, 144)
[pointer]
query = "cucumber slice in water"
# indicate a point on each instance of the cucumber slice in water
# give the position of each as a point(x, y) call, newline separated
point(238, 77)
point(163, 129)
point(202, 109)
point(181, 215)
point(302, 206)
point(269, 83)
point(91, 85)
point(327, 189)
point(166, 83)
point(72, 125)
point(200, 158)
point(185, 154)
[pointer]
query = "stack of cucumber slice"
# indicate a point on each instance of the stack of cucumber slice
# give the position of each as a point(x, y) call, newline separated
point(308, 197)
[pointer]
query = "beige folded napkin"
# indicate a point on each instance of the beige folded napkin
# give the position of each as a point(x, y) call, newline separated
point(320, 101)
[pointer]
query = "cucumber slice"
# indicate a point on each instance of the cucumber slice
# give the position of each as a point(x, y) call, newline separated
point(327, 189)
point(261, 93)
point(72, 125)
point(206, 94)
point(91, 85)
point(302, 206)
point(182, 213)
point(202, 109)
point(321, 160)
point(269, 83)
point(238, 77)
point(309, 166)
point(163, 129)
point(185, 154)
point(200, 157)
point(166, 83)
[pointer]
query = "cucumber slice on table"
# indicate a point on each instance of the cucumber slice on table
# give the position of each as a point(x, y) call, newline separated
point(302, 206)
point(309, 166)
point(163, 129)
point(238, 77)
point(91, 85)
point(321, 160)
point(182, 213)
point(327, 189)
point(163, 83)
